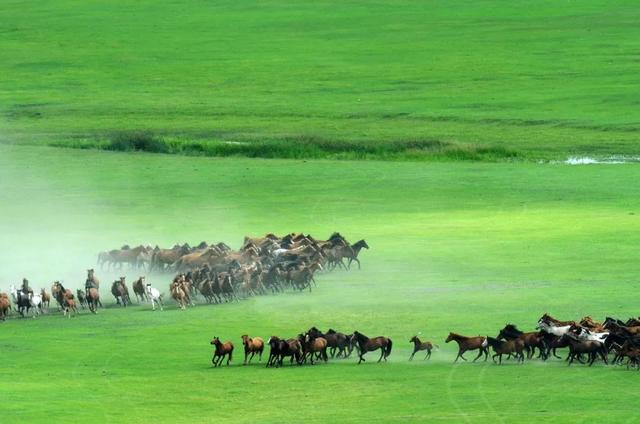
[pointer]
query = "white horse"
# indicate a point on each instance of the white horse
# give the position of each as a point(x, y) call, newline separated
point(587, 335)
point(154, 296)
point(548, 327)
point(36, 303)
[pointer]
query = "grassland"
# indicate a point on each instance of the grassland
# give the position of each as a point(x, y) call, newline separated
point(484, 80)
point(457, 246)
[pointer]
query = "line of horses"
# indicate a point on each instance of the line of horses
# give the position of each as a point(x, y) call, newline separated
point(307, 347)
point(586, 340)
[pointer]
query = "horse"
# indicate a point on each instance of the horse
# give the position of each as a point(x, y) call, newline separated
point(469, 343)
point(279, 349)
point(92, 297)
point(36, 302)
point(179, 295)
point(5, 306)
point(578, 347)
point(82, 298)
point(139, 289)
point(21, 300)
point(68, 303)
point(46, 298)
point(419, 345)
point(353, 251)
point(154, 296)
point(312, 345)
point(252, 346)
point(549, 319)
point(120, 291)
point(501, 347)
point(222, 350)
point(532, 340)
point(335, 341)
point(369, 345)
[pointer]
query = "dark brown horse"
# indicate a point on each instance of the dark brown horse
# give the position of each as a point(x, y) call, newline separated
point(369, 345)
point(335, 341)
point(139, 290)
point(120, 291)
point(222, 350)
point(420, 345)
point(252, 346)
point(531, 340)
point(283, 348)
point(506, 347)
point(469, 343)
point(592, 348)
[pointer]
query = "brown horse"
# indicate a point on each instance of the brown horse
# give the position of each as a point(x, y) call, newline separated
point(369, 345)
point(532, 340)
point(469, 343)
point(93, 299)
point(548, 318)
point(178, 294)
point(139, 289)
point(252, 346)
point(46, 299)
point(120, 291)
point(312, 345)
point(419, 345)
point(5, 305)
point(222, 350)
point(592, 348)
point(506, 347)
point(283, 348)
point(69, 303)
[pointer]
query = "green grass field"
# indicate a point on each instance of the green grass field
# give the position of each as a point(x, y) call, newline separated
point(486, 80)
point(457, 246)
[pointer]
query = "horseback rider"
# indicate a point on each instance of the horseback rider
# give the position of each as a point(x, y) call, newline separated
point(26, 290)
point(90, 283)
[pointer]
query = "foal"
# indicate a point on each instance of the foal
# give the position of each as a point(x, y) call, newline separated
point(222, 349)
point(469, 343)
point(418, 346)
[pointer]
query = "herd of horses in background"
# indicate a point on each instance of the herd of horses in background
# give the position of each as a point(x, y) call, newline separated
point(268, 264)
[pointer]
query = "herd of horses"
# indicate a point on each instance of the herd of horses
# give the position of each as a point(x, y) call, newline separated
point(268, 251)
point(611, 341)
point(268, 264)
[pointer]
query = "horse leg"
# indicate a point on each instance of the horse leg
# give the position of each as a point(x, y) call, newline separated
point(428, 355)
point(381, 354)
point(480, 354)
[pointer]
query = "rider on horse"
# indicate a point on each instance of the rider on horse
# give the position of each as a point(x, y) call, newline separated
point(26, 290)
point(90, 283)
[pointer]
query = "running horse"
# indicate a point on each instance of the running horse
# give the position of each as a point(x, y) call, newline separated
point(469, 343)
point(369, 345)
point(222, 350)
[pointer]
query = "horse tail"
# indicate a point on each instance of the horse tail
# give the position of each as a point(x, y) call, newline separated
point(388, 350)
point(436, 347)
point(230, 355)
